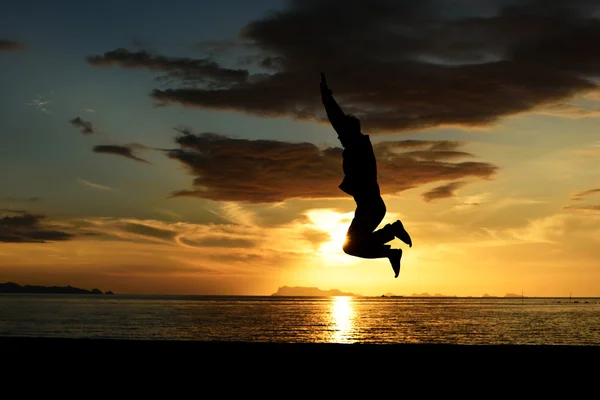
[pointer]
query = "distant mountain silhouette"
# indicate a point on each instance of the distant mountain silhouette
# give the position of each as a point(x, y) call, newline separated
point(512, 295)
point(431, 295)
point(309, 291)
point(11, 287)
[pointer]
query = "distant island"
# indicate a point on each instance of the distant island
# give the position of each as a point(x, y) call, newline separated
point(417, 295)
point(485, 295)
point(309, 291)
point(11, 287)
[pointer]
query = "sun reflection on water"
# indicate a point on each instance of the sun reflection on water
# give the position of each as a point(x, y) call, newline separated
point(342, 320)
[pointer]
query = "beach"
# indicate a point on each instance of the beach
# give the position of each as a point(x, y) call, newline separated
point(174, 369)
point(213, 351)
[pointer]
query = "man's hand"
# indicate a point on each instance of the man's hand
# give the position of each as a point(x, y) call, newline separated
point(325, 91)
point(334, 113)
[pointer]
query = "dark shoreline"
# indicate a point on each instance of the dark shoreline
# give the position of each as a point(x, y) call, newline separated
point(164, 348)
point(229, 367)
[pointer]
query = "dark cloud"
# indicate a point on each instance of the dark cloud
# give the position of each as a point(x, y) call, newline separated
point(8, 45)
point(17, 199)
point(12, 211)
point(145, 230)
point(265, 171)
point(28, 228)
point(198, 71)
point(123, 151)
point(397, 65)
point(85, 126)
point(443, 192)
point(581, 195)
point(219, 242)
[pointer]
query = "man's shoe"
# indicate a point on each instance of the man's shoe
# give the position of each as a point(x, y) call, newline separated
point(394, 257)
point(401, 233)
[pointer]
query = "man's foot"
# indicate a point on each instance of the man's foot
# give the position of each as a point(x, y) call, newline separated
point(394, 257)
point(401, 233)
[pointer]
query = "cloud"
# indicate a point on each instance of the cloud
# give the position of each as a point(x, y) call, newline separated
point(28, 228)
point(8, 45)
point(267, 171)
point(93, 185)
point(168, 213)
point(443, 192)
point(568, 110)
point(581, 195)
point(559, 229)
point(175, 233)
point(17, 199)
point(123, 151)
point(203, 71)
point(213, 249)
point(40, 104)
point(85, 126)
point(397, 65)
point(583, 208)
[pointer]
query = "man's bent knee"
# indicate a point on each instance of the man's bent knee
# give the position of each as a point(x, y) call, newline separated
point(348, 248)
point(356, 248)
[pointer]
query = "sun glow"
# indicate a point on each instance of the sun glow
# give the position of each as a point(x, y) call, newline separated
point(335, 225)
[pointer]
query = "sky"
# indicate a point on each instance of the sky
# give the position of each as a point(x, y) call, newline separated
point(182, 147)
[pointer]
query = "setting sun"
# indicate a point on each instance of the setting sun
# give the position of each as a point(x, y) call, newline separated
point(335, 225)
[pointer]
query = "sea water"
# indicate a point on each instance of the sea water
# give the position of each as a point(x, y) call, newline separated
point(304, 319)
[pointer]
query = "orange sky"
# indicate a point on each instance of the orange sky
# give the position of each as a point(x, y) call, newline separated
point(196, 158)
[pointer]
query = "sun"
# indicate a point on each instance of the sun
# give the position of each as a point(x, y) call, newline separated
point(335, 225)
point(334, 245)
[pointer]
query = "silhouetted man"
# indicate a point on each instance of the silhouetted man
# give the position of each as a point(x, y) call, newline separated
point(360, 182)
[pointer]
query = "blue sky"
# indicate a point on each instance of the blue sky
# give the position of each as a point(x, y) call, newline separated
point(46, 149)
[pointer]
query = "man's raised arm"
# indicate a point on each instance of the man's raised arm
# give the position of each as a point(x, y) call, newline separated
point(334, 112)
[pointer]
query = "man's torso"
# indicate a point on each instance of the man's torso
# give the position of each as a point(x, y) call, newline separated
point(360, 168)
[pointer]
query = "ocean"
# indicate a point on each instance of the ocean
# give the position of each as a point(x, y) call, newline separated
point(373, 320)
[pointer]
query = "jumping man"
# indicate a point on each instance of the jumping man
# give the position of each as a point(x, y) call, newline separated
point(360, 182)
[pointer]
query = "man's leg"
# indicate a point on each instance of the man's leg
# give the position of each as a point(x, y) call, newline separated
point(359, 238)
point(362, 242)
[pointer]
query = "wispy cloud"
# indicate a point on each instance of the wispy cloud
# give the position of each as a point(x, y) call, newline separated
point(119, 150)
point(468, 202)
point(443, 192)
point(237, 214)
point(40, 104)
point(568, 110)
point(593, 208)
point(169, 213)
point(85, 127)
point(93, 185)
point(18, 199)
point(559, 228)
point(586, 193)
